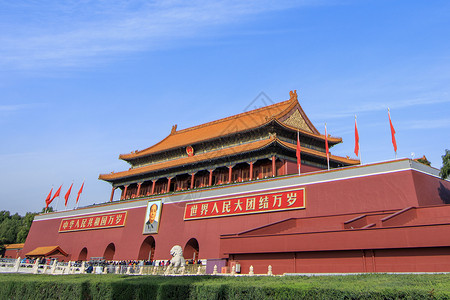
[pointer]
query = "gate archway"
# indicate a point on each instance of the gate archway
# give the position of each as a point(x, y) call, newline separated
point(191, 250)
point(147, 250)
point(83, 254)
point(109, 252)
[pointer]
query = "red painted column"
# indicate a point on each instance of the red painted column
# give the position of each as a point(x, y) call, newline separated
point(138, 193)
point(168, 184)
point(210, 177)
point(153, 186)
point(251, 170)
point(125, 192)
point(230, 171)
point(192, 180)
point(112, 194)
point(274, 169)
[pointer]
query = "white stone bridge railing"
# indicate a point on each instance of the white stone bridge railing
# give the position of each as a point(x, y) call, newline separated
point(59, 268)
point(18, 266)
point(8, 265)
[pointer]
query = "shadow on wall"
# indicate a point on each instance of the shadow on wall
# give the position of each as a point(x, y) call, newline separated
point(444, 193)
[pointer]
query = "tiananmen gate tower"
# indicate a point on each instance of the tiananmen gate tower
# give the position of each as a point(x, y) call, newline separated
point(229, 191)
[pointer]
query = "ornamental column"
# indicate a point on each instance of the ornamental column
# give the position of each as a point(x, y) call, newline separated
point(124, 193)
point(192, 180)
point(230, 171)
point(153, 186)
point(112, 194)
point(274, 170)
point(169, 180)
point(138, 193)
point(210, 177)
point(251, 171)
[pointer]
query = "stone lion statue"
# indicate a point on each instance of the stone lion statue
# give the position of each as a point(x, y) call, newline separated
point(177, 263)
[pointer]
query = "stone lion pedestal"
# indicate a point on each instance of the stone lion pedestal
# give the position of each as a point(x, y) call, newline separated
point(177, 263)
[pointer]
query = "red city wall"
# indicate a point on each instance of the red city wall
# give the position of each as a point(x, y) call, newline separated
point(326, 201)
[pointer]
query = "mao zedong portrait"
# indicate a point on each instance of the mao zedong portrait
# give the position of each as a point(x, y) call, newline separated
point(151, 226)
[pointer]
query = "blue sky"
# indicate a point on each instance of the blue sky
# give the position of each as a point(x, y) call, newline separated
point(83, 81)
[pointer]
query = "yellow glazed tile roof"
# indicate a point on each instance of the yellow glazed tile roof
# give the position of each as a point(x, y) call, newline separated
point(14, 246)
point(217, 154)
point(189, 160)
point(230, 125)
point(46, 251)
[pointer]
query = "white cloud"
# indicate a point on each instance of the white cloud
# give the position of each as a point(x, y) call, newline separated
point(380, 106)
point(14, 107)
point(427, 124)
point(71, 33)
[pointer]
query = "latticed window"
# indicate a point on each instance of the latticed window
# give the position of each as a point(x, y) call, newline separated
point(245, 174)
point(221, 178)
point(235, 176)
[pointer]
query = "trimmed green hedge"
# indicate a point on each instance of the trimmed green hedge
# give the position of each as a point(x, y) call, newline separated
point(91, 286)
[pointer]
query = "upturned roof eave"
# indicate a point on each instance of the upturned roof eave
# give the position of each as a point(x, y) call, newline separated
point(261, 144)
point(45, 251)
point(331, 140)
point(246, 148)
point(138, 154)
point(320, 154)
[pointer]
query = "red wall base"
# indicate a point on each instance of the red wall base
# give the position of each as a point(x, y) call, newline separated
point(354, 261)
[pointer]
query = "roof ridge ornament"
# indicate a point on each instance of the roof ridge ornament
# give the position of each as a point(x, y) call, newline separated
point(293, 95)
point(174, 129)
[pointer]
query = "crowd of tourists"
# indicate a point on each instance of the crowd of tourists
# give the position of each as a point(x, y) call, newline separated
point(40, 260)
point(134, 264)
point(110, 265)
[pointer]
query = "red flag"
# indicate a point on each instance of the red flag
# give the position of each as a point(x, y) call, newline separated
point(326, 147)
point(356, 139)
point(392, 132)
point(299, 162)
point(47, 200)
point(56, 194)
point(68, 194)
point(79, 192)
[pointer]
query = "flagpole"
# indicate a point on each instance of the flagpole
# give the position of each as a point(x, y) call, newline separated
point(68, 196)
point(78, 197)
point(70, 192)
point(298, 152)
point(65, 202)
point(359, 145)
point(48, 199)
point(79, 192)
point(326, 148)
point(298, 140)
point(59, 196)
point(394, 142)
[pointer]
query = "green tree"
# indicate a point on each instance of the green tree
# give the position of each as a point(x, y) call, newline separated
point(8, 230)
point(445, 170)
point(424, 161)
point(4, 215)
point(25, 227)
point(14, 228)
point(49, 209)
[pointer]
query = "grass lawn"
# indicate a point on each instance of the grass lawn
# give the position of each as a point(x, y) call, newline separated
point(91, 286)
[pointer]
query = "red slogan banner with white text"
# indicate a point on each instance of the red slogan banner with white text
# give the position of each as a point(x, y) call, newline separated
point(249, 204)
point(108, 220)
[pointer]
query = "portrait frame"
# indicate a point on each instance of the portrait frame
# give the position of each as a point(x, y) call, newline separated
point(151, 227)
